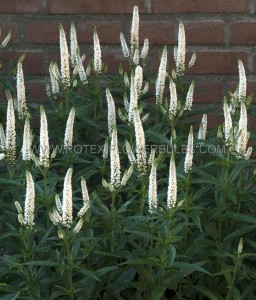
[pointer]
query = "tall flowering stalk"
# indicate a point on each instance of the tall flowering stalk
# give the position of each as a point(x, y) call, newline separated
point(68, 139)
point(189, 98)
point(135, 31)
point(111, 112)
point(189, 153)
point(28, 218)
point(141, 157)
point(173, 98)
point(228, 128)
point(44, 149)
point(242, 82)
point(10, 142)
point(124, 45)
point(133, 98)
point(21, 96)
point(63, 213)
point(114, 161)
point(55, 76)
point(152, 190)
point(97, 62)
point(67, 207)
point(160, 81)
point(181, 50)
point(64, 59)
point(27, 142)
point(203, 128)
point(73, 45)
point(172, 186)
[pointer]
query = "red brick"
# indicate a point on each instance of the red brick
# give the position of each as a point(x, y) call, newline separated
point(93, 7)
point(243, 33)
point(5, 28)
point(36, 92)
point(218, 62)
point(208, 92)
point(20, 6)
point(113, 59)
point(204, 32)
point(158, 32)
point(214, 116)
point(44, 32)
point(32, 65)
point(200, 6)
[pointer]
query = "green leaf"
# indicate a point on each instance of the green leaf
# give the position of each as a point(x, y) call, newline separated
point(206, 292)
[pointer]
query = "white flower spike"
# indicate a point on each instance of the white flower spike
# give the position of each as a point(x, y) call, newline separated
point(189, 153)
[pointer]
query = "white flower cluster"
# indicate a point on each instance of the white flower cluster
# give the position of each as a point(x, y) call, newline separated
point(28, 218)
point(63, 213)
point(133, 53)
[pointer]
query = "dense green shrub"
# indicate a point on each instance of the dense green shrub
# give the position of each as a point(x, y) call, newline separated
point(169, 213)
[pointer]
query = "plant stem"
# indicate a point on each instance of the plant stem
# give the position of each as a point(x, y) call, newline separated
point(70, 265)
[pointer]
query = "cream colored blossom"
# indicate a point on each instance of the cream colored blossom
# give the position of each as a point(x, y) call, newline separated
point(114, 161)
point(58, 203)
point(78, 226)
point(29, 201)
point(127, 175)
point(189, 98)
point(67, 206)
point(73, 45)
point(26, 145)
point(2, 138)
point(248, 153)
point(44, 140)
point(228, 128)
point(86, 198)
point(145, 118)
point(141, 158)
point(105, 150)
point(189, 153)
point(80, 69)
point(172, 186)
point(242, 82)
point(124, 45)
point(133, 98)
point(203, 128)
point(173, 98)
point(152, 155)
point(192, 60)
point(130, 154)
point(111, 112)
point(135, 30)
point(6, 40)
point(145, 89)
point(160, 81)
point(54, 78)
point(136, 57)
point(10, 143)
point(68, 139)
point(64, 58)
point(152, 189)
point(181, 51)
point(97, 62)
point(241, 142)
point(21, 96)
point(139, 79)
point(144, 50)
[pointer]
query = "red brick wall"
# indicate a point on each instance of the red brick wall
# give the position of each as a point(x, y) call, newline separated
point(220, 31)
